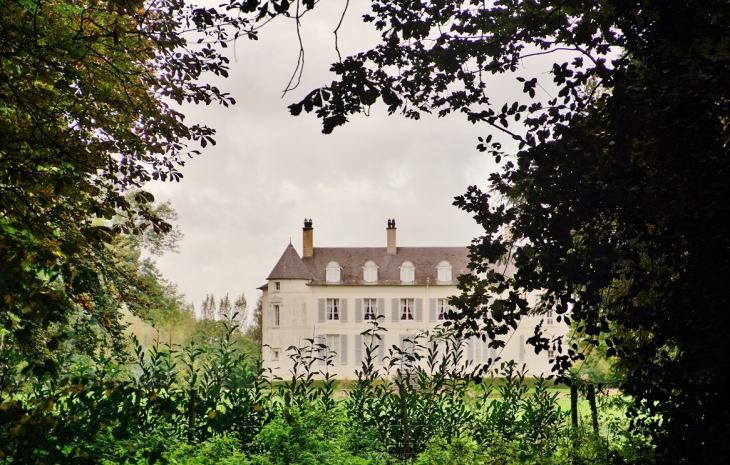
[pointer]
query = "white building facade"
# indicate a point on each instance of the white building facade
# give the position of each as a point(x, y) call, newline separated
point(332, 294)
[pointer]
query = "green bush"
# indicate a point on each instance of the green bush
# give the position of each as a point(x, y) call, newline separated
point(459, 451)
point(307, 435)
point(221, 450)
point(420, 406)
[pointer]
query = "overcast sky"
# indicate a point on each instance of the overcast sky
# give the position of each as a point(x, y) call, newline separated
point(241, 201)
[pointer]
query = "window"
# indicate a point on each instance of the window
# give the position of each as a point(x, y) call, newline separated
point(277, 314)
point(407, 273)
point(444, 272)
point(481, 351)
point(549, 317)
point(370, 272)
point(333, 272)
point(371, 309)
point(277, 286)
point(551, 353)
point(333, 346)
point(275, 354)
point(406, 306)
point(333, 309)
point(443, 307)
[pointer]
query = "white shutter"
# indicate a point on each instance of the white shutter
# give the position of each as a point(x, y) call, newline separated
point(343, 349)
point(343, 310)
point(320, 311)
point(381, 307)
point(358, 310)
point(522, 348)
point(381, 349)
point(470, 350)
point(358, 350)
point(419, 309)
point(432, 312)
point(396, 311)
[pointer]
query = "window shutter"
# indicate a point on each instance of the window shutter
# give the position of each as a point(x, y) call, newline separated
point(522, 348)
point(419, 309)
point(358, 350)
point(381, 349)
point(358, 310)
point(470, 350)
point(320, 351)
point(396, 311)
point(432, 312)
point(343, 349)
point(320, 311)
point(343, 310)
point(381, 307)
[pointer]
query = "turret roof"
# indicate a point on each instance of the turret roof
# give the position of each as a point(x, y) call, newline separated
point(290, 266)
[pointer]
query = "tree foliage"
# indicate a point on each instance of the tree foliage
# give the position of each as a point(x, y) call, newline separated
point(615, 197)
point(91, 93)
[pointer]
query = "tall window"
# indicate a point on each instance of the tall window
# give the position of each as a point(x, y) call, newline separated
point(406, 306)
point(370, 272)
point(333, 309)
point(549, 317)
point(333, 346)
point(481, 351)
point(333, 272)
point(443, 307)
point(407, 273)
point(444, 272)
point(277, 285)
point(275, 353)
point(371, 308)
point(277, 314)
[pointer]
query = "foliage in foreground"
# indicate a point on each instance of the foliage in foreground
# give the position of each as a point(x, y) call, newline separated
point(187, 405)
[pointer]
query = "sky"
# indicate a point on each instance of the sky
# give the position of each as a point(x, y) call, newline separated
point(242, 201)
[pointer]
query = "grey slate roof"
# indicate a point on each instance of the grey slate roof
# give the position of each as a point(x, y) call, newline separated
point(290, 266)
point(352, 259)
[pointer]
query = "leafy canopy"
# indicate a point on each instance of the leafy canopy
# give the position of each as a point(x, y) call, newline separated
point(613, 209)
point(86, 108)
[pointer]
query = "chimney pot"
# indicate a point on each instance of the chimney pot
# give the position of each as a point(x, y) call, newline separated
point(307, 239)
point(391, 237)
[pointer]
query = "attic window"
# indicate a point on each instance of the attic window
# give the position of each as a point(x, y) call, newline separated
point(444, 272)
point(333, 272)
point(370, 272)
point(407, 273)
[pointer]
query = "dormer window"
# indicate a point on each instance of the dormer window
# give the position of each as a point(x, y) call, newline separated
point(370, 272)
point(444, 272)
point(407, 273)
point(333, 272)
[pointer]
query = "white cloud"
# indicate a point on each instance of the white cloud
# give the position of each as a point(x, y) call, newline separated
point(243, 199)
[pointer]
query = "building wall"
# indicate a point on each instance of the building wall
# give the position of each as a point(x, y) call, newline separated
point(300, 318)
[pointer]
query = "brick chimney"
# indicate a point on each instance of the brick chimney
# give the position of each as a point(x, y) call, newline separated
point(308, 239)
point(391, 237)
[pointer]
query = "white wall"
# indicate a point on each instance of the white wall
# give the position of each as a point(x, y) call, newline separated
point(300, 320)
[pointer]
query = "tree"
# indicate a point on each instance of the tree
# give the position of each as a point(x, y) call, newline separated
point(84, 88)
point(253, 332)
point(208, 309)
point(240, 311)
point(614, 197)
point(86, 109)
point(224, 308)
